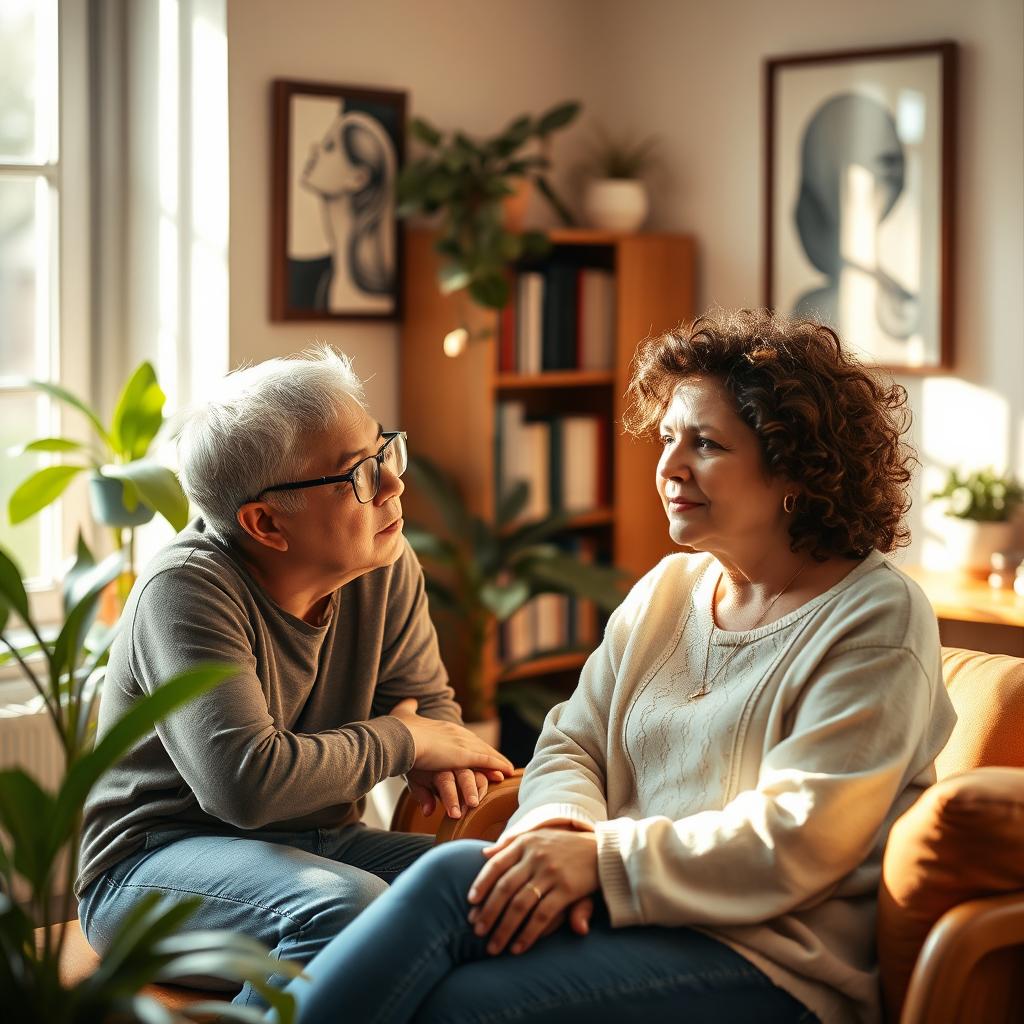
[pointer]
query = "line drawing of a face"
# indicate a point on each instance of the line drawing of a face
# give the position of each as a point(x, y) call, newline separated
point(352, 168)
point(850, 132)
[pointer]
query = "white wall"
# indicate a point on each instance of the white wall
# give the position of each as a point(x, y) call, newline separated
point(689, 71)
point(692, 72)
point(464, 63)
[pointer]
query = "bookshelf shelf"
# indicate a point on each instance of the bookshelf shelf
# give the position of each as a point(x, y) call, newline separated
point(545, 665)
point(453, 408)
point(553, 379)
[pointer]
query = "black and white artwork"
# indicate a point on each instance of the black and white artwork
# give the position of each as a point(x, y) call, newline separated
point(859, 199)
point(336, 252)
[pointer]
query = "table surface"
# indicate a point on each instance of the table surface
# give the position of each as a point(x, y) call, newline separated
point(957, 597)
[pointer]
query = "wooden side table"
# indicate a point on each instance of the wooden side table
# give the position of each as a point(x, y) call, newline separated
point(972, 614)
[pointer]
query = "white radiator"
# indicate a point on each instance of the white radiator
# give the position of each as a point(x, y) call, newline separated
point(28, 740)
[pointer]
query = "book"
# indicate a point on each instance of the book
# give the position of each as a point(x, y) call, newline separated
point(531, 310)
point(558, 348)
point(580, 456)
point(596, 320)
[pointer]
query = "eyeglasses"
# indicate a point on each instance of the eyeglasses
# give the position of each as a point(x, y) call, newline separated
point(365, 474)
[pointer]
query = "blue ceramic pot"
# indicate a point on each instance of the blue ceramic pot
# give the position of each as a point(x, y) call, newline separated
point(107, 499)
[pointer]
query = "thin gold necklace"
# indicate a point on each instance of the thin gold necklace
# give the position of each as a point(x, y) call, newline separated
point(705, 686)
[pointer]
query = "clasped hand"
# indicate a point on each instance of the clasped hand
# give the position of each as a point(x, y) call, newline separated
point(530, 883)
point(450, 762)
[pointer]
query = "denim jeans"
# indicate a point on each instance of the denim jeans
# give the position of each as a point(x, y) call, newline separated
point(293, 892)
point(412, 956)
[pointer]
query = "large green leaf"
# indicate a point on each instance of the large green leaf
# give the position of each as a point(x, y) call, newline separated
point(67, 646)
point(25, 812)
point(601, 584)
point(39, 490)
point(48, 444)
point(423, 130)
point(12, 590)
point(139, 413)
point(67, 397)
point(441, 492)
point(72, 586)
point(512, 503)
point(490, 290)
point(533, 533)
point(158, 487)
point(505, 600)
point(136, 723)
point(427, 544)
point(558, 117)
point(452, 277)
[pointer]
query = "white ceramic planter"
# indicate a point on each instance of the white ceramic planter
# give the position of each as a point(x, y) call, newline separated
point(972, 544)
point(615, 204)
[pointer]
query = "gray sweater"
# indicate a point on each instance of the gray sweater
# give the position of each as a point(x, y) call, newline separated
point(296, 738)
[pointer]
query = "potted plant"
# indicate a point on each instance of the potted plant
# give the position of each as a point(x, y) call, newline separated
point(980, 507)
point(475, 184)
point(40, 833)
point(480, 573)
point(126, 486)
point(615, 196)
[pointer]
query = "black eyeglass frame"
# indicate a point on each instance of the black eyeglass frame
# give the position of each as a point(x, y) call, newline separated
point(349, 477)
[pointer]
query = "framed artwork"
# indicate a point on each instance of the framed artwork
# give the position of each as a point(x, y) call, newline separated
point(335, 243)
point(859, 189)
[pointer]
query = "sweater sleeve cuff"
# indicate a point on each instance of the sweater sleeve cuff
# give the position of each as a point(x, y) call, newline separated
point(549, 814)
point(612, 841)
point(398, 750)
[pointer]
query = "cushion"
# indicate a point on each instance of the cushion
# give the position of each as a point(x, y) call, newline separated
point(987, 691)
point(963, 839)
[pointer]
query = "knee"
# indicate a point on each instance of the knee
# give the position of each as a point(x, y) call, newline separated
point(447, 869)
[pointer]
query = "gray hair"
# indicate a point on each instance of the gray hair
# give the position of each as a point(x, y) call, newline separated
point(251, 435)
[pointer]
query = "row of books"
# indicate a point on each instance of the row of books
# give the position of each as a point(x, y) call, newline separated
point(548, 622)
point(561, 317)
point(563, 459)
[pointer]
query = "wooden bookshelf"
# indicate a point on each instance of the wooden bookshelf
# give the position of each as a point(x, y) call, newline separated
point(448, 405)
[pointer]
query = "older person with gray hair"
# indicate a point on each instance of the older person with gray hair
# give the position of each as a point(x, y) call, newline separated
point(298, 574)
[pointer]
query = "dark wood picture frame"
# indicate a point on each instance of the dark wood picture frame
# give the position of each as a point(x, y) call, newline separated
point(930, 309)
point(336, 245)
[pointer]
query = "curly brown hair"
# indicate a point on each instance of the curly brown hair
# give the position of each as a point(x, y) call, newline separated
point(823, 420)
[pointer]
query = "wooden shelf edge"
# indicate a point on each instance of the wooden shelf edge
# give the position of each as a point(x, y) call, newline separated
point(544, 665)
point(553, 379)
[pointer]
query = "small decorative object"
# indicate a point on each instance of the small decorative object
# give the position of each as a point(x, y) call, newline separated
point(127, 487)
point(40, 835)
point(980, 509)
point(615, 196)
point(479, 573)
point(478, 188)
point(859, 198)
point(335, 246)
point(1003, 566)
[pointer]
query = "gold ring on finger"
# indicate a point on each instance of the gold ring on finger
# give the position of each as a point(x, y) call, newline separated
point(536, 892)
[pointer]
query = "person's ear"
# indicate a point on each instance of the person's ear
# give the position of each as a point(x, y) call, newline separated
point(260, 521)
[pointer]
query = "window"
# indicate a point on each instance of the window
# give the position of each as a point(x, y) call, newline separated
point(43, 244)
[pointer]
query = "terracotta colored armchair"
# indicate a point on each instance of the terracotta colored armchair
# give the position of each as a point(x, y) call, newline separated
point(951, 902)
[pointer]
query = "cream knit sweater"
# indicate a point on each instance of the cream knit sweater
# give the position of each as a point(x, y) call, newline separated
point(758, 813)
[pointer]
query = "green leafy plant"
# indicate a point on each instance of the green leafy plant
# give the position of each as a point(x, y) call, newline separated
point(117, 457)
point(479, 573)
point(619, 158)
point(40, 833)
point(982, 495)
point(467, 180)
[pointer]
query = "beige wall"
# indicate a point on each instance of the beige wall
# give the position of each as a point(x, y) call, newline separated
point(465, 64)
point(691, 72)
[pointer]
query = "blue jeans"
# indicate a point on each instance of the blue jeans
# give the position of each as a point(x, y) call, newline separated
point(292, 891)
point(413, 956)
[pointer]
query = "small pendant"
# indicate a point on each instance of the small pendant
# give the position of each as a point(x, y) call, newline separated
point(697, 694)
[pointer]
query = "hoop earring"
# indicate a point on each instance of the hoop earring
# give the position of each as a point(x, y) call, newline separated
point(789, 503)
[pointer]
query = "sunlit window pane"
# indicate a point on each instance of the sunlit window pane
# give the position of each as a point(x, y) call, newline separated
point(19, 416)
point(19, 256)
point(26, 79)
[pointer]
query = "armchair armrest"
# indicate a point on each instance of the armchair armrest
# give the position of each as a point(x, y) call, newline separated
point(958, 941)
point(485, 821)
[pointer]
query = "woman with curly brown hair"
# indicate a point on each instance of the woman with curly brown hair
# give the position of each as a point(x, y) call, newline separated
point(710, 806)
